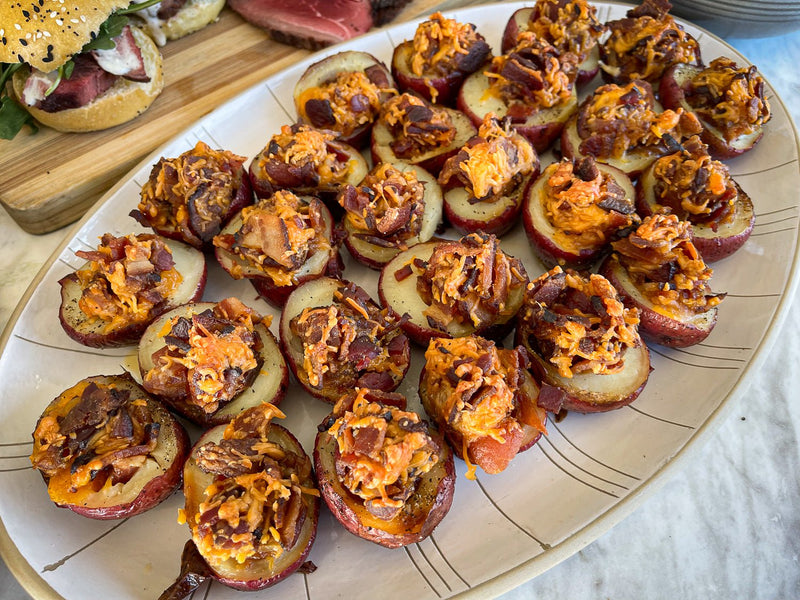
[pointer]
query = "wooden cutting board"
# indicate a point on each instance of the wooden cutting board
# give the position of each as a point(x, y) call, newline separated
point(49, 179)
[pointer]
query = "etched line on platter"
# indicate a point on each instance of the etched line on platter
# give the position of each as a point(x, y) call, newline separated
point(390, 38)
point(684, 351)
point(760, 171)
point(283, 108)
point(783, 220)
point(447, 561)
point(210, 137)
point(587, 455)
point(431, 565)
point(16, 469)
point(725, 347)
point(59, 563)
point(776, 211)
point(562, 455)
point(12, 444)
point(691, 364)
point(578, 479)
point(760, 233)
point(305, 585)
point(77, 350)
point(778, 295)
point(508, 518)
point(425, 577)
point(14, 456)
point(662, 419)
point(208, 589)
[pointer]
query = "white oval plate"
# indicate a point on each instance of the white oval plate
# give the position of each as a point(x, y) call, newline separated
point(586, 475)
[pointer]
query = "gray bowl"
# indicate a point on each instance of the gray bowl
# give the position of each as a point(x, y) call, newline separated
point(739, 18)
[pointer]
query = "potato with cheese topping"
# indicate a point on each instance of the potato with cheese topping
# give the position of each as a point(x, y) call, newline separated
point(485, 181)
point(384, 473)
point(278, 243)
point(659, 272)
point(127, 282)
point(484, 400)
point(435, 62)
point(646, 43)
point(583, 343)
point(730, 101)
point(210, 361)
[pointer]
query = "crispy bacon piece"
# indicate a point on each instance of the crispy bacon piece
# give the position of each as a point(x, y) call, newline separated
point(730, 98)
point(95, 435)
point(532, 76)
point(468, 281)
point(646, 43)
point(254, 509)
point(491, 163)
point(191, 195)
point(277, 236)
point(571, 26)
point(386, 207)
point(665, 266)
point(696, 187)
point(585, 205)
point(383, 451)
point(444, 46)
point(345, 103)
point(300, 157)
point(618, 119)
point(209, 358)
point(127, 279)
point(578, 323)
point(415, 125)
point(473, 390)
point(351, 342)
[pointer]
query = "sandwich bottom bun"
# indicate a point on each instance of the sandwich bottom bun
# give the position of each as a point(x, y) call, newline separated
point(122, 102)
point(194, 15)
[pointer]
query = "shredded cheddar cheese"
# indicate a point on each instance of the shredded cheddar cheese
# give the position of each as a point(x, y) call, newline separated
point(570, 26)
point(416, 126)
point(438, 43)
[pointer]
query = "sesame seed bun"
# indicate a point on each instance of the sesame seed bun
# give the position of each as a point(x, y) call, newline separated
point(122, 102)
point(46, 33)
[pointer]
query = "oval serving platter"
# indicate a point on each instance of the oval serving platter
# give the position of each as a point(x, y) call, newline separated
point(587, 474)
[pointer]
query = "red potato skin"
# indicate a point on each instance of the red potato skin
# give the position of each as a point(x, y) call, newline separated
point(497, 225)
point(421, 334)
point(157, 489)
point(327, 69)
point(260, 583)
point(276, 295)
point(446, 86)
point(518, 23)
point(555, 398)
point(712, 245)
point(654, 326)
point(672, 91)
point(121, 337)
point(153, 493)
point(416, 522)
point(541, 129)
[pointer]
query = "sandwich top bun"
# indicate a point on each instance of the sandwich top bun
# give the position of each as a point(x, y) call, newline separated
point(122, 102)
point(46, 33)
point(191, 17)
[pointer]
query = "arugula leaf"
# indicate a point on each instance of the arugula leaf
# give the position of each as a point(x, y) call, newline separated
point(104, 40)
point(13, 117)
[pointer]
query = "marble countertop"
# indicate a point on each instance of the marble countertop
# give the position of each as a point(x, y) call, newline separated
point(726, 525)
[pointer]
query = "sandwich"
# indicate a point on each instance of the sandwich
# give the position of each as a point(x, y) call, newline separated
point(173, 19)
point(77, 66)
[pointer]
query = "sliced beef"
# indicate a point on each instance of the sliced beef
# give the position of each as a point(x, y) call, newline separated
point(314, 24)
point(88, 80)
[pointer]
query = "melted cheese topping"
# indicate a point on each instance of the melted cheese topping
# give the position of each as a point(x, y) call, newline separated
point(114, 289)
point(380, 455)
point(666, 267)
point(572, 206)
point(575, 29)
point(731, 98)
point(493, 163)
point(437, 45)
point(349, 89)
point(436, 131)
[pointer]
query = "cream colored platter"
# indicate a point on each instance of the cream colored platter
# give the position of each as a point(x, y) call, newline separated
point(588, 473)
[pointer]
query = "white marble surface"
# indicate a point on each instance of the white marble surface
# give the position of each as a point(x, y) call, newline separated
point(726, 525)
